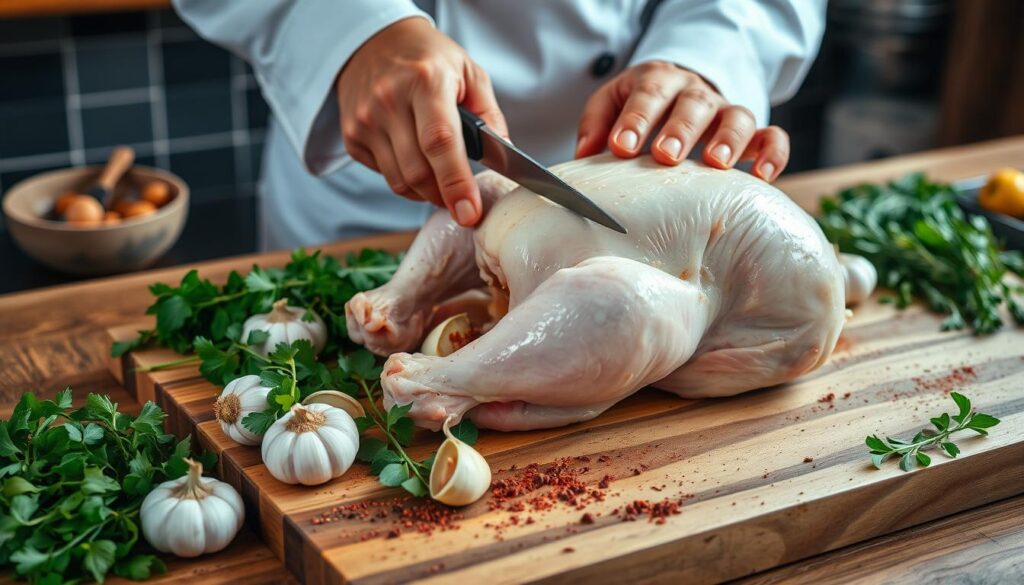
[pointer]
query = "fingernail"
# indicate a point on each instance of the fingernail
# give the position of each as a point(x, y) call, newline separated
point(722, 153)
point(627, 139)
point(767, 171)
point(672, 146)
point(464, 212)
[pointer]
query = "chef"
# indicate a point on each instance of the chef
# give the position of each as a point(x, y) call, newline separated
point(364, 93)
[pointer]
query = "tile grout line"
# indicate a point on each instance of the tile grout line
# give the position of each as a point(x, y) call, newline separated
point(239, 121)
point(157, 93)
point(72, 107)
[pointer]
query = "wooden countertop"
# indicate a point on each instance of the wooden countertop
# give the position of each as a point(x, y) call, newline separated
point(52, 338)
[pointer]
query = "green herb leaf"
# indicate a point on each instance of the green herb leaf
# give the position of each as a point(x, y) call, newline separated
point(466, 432)
point(396, 413)
point(258, 423)
point(416, 487)
point(951, 449)
point(963, 403)
point(382, 459)
point(393, 474)
point(99, 557)
point(140, 567)
point(982, 421)
point(368, 449)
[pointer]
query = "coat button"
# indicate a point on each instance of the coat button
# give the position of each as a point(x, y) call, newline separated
point(604, 63)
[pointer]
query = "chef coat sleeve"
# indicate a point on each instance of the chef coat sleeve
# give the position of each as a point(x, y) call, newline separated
point(755, 53)
point(296, 50)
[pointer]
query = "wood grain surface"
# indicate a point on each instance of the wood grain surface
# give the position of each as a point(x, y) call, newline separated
point(768, 477)
point(53, 337)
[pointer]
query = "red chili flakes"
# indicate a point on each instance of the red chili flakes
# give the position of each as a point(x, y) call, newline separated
point(423, 516)
point(656, 512)
point(587, 518)
point(847, 395)
point(828, 397)
point(604, 459)
point(956, 378)
point(568, 550)
point(808, 459)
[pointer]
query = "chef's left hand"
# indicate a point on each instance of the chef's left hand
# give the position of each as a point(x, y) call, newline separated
point(624, 112)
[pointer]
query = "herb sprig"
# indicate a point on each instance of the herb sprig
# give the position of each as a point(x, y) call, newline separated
point(923, 245)
point(387, 457)
point(199, 308)
point(73, 483)
point(910, 452)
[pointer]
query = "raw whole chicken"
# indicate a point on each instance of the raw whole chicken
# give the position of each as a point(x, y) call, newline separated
point(722, 285)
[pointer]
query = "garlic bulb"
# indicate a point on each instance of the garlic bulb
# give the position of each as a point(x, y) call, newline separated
point(337, 400)
point(449, 336)
point(239, 398)
point(460, 475)
point(284, 324)
point(860, 277)
point(311, 444)
point(191, 515)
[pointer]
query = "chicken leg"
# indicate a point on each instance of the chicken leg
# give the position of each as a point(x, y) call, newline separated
point(440, 264)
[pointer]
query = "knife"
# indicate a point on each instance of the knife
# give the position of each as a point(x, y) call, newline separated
point(501, 156)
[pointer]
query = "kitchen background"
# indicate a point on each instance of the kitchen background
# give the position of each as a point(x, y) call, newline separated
point(893, 76)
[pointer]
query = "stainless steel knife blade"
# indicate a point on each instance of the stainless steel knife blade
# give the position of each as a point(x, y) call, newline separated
point(503, 157)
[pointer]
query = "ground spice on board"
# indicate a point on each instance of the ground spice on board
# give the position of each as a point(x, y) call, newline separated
point(421, 515)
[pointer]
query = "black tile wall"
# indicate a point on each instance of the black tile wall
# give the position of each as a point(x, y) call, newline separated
point(120, 124)
point(191, 61)
point(199, 108)
point(33, 127)
point(180, 115)
point(213, 171)
point(31, 76)
point(109, 65)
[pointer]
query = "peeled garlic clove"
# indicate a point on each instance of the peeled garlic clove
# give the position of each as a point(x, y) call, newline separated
point(449, 335)
point(860, 277)
point(460, 474)
point(337, 400)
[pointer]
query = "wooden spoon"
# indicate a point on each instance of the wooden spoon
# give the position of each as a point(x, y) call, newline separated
point(117, 165)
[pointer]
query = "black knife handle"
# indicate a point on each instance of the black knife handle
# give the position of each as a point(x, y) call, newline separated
point(471, 127)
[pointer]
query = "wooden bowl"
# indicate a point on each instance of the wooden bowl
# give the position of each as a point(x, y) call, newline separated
point(105, 249)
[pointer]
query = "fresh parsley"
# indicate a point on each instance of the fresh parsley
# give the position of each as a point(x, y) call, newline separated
point(199, 308)
point(923, 245)
point(73, 481)
point(910, 452)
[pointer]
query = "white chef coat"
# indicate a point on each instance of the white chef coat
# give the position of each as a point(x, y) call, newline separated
point(540, 55)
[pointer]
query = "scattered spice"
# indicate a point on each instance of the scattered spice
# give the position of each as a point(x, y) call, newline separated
point(808, 459)
point(828, 397)
point(568, 549)
point(587, 518)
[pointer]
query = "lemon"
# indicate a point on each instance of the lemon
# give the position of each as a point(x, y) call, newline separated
point(1004, 193)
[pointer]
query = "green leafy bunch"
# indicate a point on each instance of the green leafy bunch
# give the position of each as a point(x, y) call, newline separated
point(73, 482)
point(910, 452)
point(923, 245)
point(386, 453)
point(199, 308)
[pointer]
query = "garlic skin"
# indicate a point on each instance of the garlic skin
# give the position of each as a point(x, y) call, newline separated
point(460, 474)
point(239, 398)
point(860, 277)
point(337, 400)
point(284, 324)
point(439, 342)
point(311, 444)
point(191, 515)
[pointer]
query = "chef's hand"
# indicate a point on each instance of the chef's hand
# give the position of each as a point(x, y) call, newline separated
point(624, 112)
point(397, 96)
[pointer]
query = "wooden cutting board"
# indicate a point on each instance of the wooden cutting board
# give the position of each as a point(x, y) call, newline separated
point(765, 478)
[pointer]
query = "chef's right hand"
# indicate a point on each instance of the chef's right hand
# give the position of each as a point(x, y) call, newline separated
point(397, 96)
